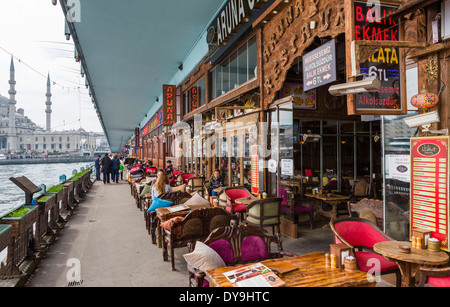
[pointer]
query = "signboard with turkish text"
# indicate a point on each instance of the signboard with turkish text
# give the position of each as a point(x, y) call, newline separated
point(195, 98)
point(385, 63)
point(319, 66)
point(169, 105)
point(255, 169)
point(153, 123)
point(137, 133)
point(429, 186)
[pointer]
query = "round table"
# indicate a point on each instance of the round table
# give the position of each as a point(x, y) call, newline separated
point(409, 264)
point(245, 200)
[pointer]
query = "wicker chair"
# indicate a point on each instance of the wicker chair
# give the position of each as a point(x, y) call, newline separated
point(360, 190)
point(197, 184)
point(196, 226)
point(238, 244)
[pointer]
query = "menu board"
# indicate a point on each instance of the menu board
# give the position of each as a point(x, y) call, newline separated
point(255, 169)
point(429, 187)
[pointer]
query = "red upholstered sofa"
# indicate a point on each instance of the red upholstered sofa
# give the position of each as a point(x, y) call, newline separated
point(361, 235)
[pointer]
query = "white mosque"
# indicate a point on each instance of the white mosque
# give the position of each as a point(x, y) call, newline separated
point(20, 135)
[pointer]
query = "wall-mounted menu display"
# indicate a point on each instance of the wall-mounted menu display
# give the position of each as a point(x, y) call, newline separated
point(429, 186)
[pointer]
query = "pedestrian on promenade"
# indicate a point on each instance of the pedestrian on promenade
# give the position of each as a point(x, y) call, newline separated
point(115, 168)
point(106, 168)
point(121, 167)
point(97, 167)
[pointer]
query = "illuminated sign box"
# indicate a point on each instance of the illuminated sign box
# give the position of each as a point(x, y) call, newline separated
point(169, 105)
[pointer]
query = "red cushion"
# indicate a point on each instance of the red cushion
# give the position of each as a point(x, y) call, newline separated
point(439, 281)
point(234, 194)
point(368, 261)
point(359, 233)
point(237, 208)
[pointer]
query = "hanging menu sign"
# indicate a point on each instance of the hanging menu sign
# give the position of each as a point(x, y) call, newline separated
point(429, 186)
point(255, 169)
point(385, 63)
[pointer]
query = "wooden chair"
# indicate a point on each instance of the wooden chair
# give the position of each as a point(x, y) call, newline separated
point(196, 184)
point(206, 189)
point(361, 235)
point(196, 226)
point(229, 195)
point(360, 190)
point(364, 207)
point(436, 277)
point(152, 221)
point(297, 207)
point(265, 213)
point(238, 244)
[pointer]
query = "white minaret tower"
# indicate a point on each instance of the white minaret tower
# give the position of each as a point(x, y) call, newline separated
point(12, 133)
point(49, 105)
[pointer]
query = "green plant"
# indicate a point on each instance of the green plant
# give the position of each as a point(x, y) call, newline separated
point(55, 188)
point(18, 213)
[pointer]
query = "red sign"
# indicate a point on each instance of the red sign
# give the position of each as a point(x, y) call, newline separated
point(195, 95)
point(137, 137)
point(169, 105)
point(255, 169)
point(385, 63)
point(429, 186)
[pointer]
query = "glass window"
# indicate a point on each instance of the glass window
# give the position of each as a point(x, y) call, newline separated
point(217, 81)
point(233, 71)
point(252, 58)
point(225, 76)
point(202, 91)
point(242, 65)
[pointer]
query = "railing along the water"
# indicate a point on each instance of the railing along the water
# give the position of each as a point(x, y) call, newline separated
point(27, 231)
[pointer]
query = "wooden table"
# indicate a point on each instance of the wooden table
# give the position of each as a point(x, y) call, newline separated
point(409, 264)
point(245, 200)
point(219, 190)
point(334, 200)
point(311, 273)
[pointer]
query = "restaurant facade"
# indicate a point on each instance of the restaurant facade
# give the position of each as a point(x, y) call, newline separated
point(258, 107)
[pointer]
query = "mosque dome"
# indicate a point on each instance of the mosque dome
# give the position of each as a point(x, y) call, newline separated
point(4, 102)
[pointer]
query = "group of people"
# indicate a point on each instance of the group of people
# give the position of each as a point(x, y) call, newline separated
point(110, 167)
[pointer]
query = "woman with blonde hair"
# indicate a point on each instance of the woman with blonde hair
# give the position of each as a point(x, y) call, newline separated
point(161, 185)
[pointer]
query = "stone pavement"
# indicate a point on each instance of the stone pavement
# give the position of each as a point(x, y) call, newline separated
point(106, 238)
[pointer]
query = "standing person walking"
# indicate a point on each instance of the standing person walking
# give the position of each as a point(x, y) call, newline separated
point(97, 167)
point(121, 167)
point(106, 168)
point(115, 168)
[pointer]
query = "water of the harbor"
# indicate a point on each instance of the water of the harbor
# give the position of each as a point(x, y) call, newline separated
point(11, 196)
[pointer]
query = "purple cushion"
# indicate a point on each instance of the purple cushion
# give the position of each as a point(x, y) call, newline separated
point(224, 249)
point(253, 248)
point(297, 209)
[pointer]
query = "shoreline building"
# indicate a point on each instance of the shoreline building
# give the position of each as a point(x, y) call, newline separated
point(20, 135)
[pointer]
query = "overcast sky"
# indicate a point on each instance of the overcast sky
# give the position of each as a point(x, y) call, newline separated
point(33, 31)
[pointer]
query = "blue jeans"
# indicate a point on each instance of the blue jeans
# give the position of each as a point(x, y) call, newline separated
point(97, 173)
point(115, 175)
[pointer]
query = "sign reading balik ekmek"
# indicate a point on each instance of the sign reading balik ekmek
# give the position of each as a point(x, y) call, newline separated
point(319, 66)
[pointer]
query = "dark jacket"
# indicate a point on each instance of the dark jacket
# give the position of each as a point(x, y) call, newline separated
point(97, 163)
point(215, 182)
point(106, 165)
point(115, 164)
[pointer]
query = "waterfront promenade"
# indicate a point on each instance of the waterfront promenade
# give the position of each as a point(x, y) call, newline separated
point(107, 234)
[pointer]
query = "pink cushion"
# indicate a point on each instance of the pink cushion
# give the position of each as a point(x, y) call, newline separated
point(366, 262)
point(359, 233)
point(439, 281)
point(253, 249)
point(224, 249)
point(283, 195)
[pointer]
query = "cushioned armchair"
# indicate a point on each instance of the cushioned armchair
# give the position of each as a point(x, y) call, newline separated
point(436, 277)
point(360, 190)
point(196, 226)
point(296, 207)
point(361, 235)
point(237, 244)
point(264, 213)
point(196, 184)
point(229, 195)
point(183, 178)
